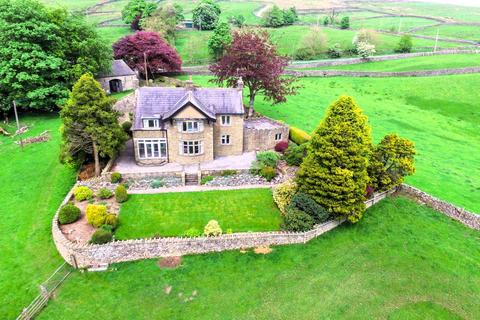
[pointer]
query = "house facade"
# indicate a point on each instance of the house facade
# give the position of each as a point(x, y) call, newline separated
point(191, 125)
point(120, 78)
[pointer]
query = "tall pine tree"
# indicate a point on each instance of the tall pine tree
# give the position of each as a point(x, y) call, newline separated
point(90, 124)
point(334, 171)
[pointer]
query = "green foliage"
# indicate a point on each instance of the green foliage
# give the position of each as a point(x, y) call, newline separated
point(228, 172)
point(127, 126)
point(115, 177)
point(164, 21)
point(206, 15)
point(206, 179)
point(335, 51)
point(101, 236)
point(365, 49)
point(157, 183)
point(334, 172)
point(290, 16)
point(212, 229)
point(283, 194)
point(238, 20)
point(326, 21)
point(391, 161)
point(299, 136)
point(312, 44)
point(111, 220)
point(345, 23)
point(121, 194)
point(268, 159)
point(69, 213)
point(96, 214)
point(297, 220)
point(274, 18)
point(295, 153)
point(305, 203)
point(138, 8)
point(220, 40)
point(268, 173)
point(192, 232)
point(82, 193)
point(405, 44)
point(104, 193)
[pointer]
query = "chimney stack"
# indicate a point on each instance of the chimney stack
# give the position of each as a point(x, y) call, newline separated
point(240, 84)
point(189, 84)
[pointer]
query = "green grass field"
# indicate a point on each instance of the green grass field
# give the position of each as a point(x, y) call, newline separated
point(412, 64)
point(171, 214)
point(33, 185)
point(397, 263)
point(454, 32)
point(391, 23)
point(440, 114)
point(112, 34)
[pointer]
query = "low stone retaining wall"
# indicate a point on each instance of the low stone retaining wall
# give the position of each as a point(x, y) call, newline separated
point(467, 218)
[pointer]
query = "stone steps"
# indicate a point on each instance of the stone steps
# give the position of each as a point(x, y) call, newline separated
point(191, 179)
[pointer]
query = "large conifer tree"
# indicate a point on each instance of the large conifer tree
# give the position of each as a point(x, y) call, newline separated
point(334, 171)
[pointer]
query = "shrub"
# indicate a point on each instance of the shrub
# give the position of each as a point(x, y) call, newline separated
point(212, 228)
point(127, 125)
point(107, 227)
point(104, 193)
point(268, 173)
point(96, 214)
point(294, 154)
point(305, 203)
point(335, 51)
point(68, 214)
point(405, 44)
point(345, 23)
point(281, 146)
point(101, 236)
point(82, 193)
point(121, 194)
point(304, 54)
point(268, 159)
point(116, 177)
point(297, 220)
point(206, 179)
point(299, 136)
point(192, 232)
point(111, 220)
point(283, 194)
point(228, 173)
point(156, 183)
point(365, 49)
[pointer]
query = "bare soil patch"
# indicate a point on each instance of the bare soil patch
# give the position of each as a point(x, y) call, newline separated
point(169, 262)
point(262, 250)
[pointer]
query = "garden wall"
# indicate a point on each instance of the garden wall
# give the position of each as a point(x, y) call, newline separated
point(85, 255)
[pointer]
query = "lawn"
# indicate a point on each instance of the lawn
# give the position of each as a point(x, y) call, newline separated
point(391, 23)
point(402, 261)
point(413, 64)
point(112, 34)
point(440, 114)
point(453, 31)
point(171, 214)
point(33, 185)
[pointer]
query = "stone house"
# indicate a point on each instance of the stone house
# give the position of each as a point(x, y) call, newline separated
point(193, 125)
point(120, 78)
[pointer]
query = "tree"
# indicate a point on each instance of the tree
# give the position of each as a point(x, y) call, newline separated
point(273, 18)
point(365, 49)
point(164, 21)
point(135, 48)
point(345, 23)
point(252, 57)
point(138, 8)
point(90, 125)
point(220, 39)
point(326, 21)
point(43, 51)
point(335, 51)
point(405, 44)
point(391, 161)
point(290, 16)
point(334, 172)
point(366, 36)
point(237, 21)
point(312, 44)
point(332, 16)
point(206, 15)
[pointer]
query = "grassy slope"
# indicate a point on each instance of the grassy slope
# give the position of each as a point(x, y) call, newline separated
point(440, 114)
point(413, 64)
point(396, 262)
point(33, 184)
point(459, 32)
point(171, 214)
point(391, 23)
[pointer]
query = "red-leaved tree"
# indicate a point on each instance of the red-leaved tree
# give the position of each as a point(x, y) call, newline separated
point(253, 57)
point(135, 48)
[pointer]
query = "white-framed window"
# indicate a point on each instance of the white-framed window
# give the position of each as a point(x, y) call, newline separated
point(225, 120)
point(278, 136)
point(225, 139)
point(190, 126)
point(191, 148)
point(152, 148)
point(151, 123)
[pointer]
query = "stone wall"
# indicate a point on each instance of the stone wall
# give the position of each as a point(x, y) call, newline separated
point(262, 138)
point(128, 82)
point(468, 218)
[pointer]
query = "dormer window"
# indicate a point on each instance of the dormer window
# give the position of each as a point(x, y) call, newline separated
point(191, 126)
point(225, 120)
point(151, 123)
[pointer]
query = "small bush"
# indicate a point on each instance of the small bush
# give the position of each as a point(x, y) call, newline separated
point(297, 220)
point(226, 173)
point(156, 183)
point(82, 193)
point(212, 228)
point(345, 23)
point(206, 179)
point(335, 51)
point(101, 236)
point(299, 136)
point(68, 214)
point(107, 227)
point(304, 54)
point(192, 232)
point(116, 177)
point(294, 154)
point(121, 194)
point(305, 203)
point(405, 44)
point(268, 158)
point(96, 214)
point(127, 125)
point(104, 193)
point(281, 146)
point(268, 173)
point(111, 220)
point(283, 194)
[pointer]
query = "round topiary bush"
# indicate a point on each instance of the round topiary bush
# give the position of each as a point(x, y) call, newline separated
point(127, 125)
point(68, 214)
point(121, 194)
point(104, 193)
point(281, 146)
point(283, 194)
point(82, 193)
point(297, 220)
point(101, 236)
point(96, 214)
point(116, 177)
point(212, 228)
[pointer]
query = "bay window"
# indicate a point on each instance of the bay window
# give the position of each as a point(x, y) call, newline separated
point(152, 148)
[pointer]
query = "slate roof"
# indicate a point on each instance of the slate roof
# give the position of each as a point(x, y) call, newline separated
point(163, 103)
point(119, 68)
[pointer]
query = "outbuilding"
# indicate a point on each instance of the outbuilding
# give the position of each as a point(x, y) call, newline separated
point(120, 78)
